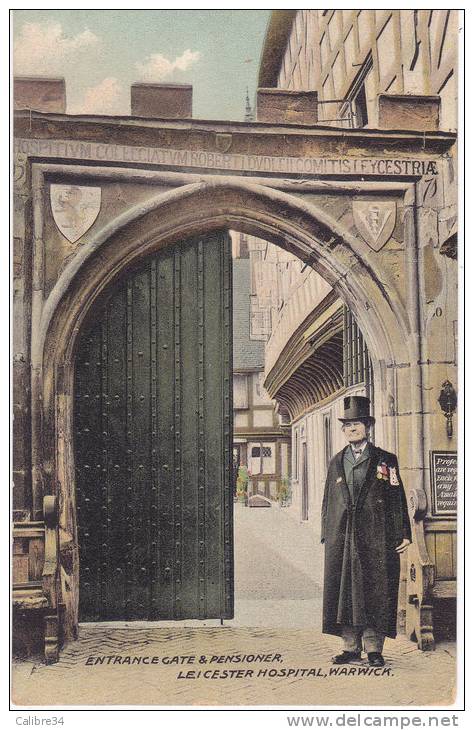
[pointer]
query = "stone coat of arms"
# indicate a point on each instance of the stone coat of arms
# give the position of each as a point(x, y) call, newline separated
point(375, 221)
point(223, 142)
point(75, 208)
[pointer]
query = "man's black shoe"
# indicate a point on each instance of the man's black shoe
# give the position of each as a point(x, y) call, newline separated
point(375, 659)
point(345, 657)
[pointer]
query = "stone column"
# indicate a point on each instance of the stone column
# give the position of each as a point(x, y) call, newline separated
point(22, 500)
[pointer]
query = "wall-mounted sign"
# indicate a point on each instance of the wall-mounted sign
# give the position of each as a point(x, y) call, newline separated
point(444, 482)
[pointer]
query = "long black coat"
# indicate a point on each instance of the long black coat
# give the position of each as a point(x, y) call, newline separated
point(361, 566)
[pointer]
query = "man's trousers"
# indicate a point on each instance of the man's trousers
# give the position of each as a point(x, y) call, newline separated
point(356, 639)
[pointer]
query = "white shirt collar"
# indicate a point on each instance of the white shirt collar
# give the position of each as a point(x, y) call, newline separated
point(359, 448)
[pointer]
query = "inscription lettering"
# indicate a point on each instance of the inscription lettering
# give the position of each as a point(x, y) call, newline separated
point(444, 468)
point(399, 167)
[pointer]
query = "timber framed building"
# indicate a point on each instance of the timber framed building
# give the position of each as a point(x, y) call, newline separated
point(260, 441)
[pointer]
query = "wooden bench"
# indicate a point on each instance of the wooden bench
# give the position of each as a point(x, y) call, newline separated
point(429, 578)
point(35, 580)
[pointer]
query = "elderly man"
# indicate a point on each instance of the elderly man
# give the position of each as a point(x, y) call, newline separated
point(365, 527)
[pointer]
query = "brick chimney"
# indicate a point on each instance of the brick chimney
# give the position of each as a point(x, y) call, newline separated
point(162, 101)
point(287, 106)
point(39, 93)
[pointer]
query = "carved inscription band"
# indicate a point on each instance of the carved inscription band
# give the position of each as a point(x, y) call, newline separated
point(64, 149)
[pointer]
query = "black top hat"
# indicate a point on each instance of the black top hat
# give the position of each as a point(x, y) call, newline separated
point(357, 408)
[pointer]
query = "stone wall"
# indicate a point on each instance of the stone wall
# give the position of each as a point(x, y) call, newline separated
point(391, 51)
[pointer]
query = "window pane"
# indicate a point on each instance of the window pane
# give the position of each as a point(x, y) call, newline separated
point(268, 459)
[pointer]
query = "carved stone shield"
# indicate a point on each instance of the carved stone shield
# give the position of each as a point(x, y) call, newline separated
point(375, 221)
point(223, 142)
point(75, 208)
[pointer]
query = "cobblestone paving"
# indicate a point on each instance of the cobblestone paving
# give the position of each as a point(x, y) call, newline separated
point(278, 611)
point(411, 677)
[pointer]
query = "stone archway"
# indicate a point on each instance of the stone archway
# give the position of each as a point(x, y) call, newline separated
point(281, 218)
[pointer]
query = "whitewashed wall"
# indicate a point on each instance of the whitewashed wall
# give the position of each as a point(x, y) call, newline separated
point(309, 428)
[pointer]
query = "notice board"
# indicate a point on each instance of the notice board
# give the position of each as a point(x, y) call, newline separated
point(444, 482)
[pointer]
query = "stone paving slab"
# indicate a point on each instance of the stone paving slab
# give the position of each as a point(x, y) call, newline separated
point(411, 677)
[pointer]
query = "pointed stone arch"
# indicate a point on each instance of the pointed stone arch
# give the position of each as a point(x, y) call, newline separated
point(198, 208)
point(284, 219)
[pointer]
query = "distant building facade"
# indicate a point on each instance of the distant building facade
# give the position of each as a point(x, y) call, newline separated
point(260, 443)
point(314, 355)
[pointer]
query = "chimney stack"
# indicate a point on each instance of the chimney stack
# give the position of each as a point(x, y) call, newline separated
point(409, 112)
point(162, 101)
point(287, 106)
point(39, 93)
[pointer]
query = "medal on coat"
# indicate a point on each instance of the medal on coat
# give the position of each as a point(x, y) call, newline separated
point(382, 471)
point(393, 477)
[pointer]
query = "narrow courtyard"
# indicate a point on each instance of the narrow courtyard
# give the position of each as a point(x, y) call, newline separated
point(276, 575)
point(271, 653)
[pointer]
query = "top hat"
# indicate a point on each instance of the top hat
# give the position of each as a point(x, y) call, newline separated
point(357, 408)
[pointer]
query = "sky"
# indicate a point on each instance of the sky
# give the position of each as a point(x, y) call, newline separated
point(102, 52)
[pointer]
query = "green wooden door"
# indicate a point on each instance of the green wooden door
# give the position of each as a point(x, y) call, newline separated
point(153, 436)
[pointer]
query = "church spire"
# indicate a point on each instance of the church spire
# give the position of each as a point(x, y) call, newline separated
point(249, 115)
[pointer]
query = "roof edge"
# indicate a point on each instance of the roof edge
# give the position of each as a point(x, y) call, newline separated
point(274, 46)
